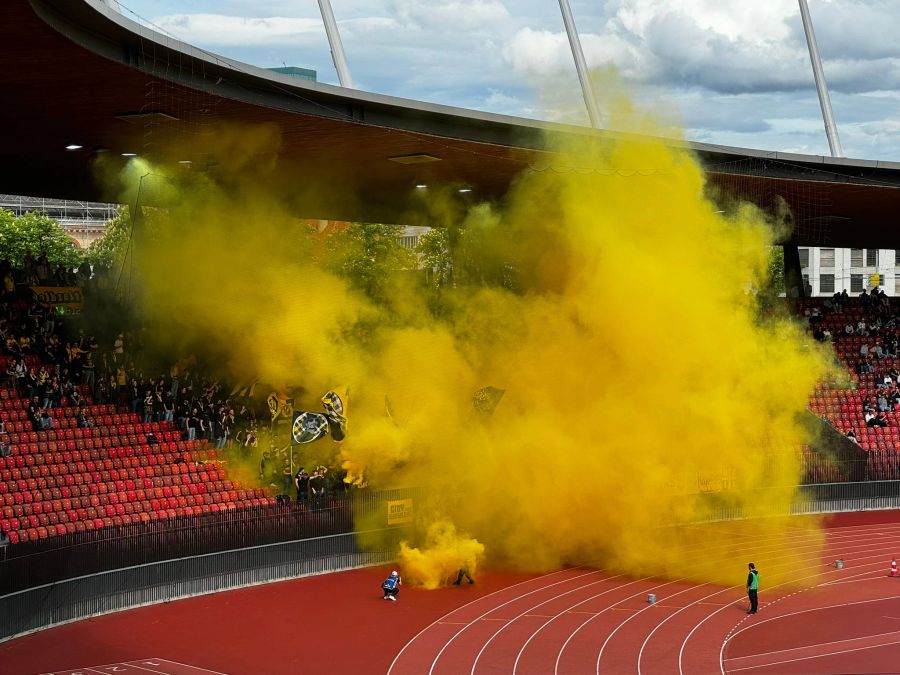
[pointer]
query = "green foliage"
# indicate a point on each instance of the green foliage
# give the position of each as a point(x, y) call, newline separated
point(369, 255)
point(109, 251)
point(483, 252)
point(436, 258)
point(35, 235)
point(476, 253)
point(775, 274)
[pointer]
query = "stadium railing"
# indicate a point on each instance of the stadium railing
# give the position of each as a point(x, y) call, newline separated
point(30, 564)
point(117, 568)
point(809, 499)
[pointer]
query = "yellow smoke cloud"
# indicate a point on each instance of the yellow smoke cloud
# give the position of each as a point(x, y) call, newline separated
point(636, 369)
point(443, 554)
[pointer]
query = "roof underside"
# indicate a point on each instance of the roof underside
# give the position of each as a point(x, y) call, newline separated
point(75, 72)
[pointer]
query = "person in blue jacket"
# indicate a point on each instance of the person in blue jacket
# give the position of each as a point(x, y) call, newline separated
point(391, 586)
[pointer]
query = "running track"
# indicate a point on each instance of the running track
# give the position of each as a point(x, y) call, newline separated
point(577, 620)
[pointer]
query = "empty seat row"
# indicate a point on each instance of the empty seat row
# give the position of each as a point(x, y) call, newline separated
point(99, 482)
point(131, 502)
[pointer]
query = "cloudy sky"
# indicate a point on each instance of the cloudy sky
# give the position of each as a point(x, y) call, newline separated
point(735, 72)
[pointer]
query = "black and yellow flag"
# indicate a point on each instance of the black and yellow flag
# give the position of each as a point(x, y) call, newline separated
point(335, 410)
point(486, 400)
point(274, 406)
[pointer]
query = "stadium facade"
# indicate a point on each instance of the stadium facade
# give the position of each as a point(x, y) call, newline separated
point(832, 270)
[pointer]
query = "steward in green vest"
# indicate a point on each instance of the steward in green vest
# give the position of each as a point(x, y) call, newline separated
point(753, 588)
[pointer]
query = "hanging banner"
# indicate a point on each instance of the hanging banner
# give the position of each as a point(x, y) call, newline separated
point(400, 511)
point(69, 297)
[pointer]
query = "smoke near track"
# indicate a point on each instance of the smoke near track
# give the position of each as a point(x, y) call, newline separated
point(609, 299)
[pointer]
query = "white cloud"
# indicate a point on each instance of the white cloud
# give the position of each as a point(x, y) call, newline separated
point(543, 53)
point(222, 30)
point(735, 71)
point(377, 25)
point(537, 52)
point(453, 15)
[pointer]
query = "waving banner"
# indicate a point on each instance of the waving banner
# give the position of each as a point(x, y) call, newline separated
point(308, 427)
point(485, 400)
point(334, 411)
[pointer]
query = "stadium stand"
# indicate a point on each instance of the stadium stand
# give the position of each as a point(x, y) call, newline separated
point(70, 479)
point(872, 322)
point(100, 465)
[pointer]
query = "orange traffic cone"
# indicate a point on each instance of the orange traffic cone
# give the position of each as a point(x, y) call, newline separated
point(894, 572)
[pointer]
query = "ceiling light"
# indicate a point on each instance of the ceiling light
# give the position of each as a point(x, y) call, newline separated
point(465, 189)
point(73, 146)
point(420, 186)
point(184, 161)
point(418, 158)
point(129, 154)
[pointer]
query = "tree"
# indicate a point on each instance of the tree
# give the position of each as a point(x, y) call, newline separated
point(477, 252)
point(370, 257)
point(775, 274)
point(109, 251)
point(33, 236)
point(435, 257)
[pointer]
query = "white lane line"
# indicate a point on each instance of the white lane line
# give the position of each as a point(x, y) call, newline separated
point(540, 604)
point(812, 646)
point(817, 656)
point(472, 602)
point(494, 609)
point(568, 609)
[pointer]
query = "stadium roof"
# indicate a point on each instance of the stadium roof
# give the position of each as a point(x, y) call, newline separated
point(77, 73)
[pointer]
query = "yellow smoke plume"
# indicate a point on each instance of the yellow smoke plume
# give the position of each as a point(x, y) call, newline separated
point(442, 555)
point(606, 296)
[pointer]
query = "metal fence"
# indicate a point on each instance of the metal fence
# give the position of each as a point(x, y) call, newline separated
point(817, 498)
point(47, 605)
point(873, 465)
point(838, 497)
point(30, 564)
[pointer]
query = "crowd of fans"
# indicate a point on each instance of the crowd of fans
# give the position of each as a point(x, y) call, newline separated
point(878, 327)
point(53, 363)
point(39, 272)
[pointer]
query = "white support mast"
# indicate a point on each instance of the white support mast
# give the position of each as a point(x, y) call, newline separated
point(834, 141)
point(580, 64)
point(337, 47)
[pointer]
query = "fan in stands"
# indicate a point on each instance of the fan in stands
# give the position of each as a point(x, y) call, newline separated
point(864, 332)
point(109, 457)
